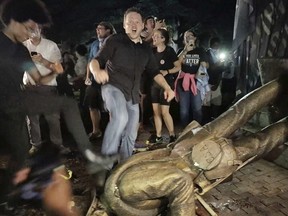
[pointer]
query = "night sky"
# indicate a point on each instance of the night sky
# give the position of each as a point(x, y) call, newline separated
point(74, 19)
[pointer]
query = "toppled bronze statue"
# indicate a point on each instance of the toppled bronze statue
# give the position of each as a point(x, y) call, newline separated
point(149, 182)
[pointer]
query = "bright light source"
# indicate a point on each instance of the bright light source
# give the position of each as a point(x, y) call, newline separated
point(222, 56)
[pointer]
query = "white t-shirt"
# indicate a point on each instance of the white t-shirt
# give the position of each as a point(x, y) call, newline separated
point(50, 51)
point(81, 66)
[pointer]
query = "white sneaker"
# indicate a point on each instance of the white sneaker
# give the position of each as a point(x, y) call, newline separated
point(33, 150)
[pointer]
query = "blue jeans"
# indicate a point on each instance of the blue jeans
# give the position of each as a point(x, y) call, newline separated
point(190, 106)
point(123, 124)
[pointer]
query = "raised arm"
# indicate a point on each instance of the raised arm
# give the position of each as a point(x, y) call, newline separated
point(101, 76)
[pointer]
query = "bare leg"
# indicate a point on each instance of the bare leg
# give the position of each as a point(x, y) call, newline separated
point(95, 118)
point(157, 118)
point(168, 119)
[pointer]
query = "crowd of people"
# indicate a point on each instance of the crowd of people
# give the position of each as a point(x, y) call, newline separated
point(114, 74)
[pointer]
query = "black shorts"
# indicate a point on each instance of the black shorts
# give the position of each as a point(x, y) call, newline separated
point(93, 98)
point(157, 95)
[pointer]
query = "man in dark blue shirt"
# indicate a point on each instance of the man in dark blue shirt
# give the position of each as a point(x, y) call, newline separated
point(119, 66)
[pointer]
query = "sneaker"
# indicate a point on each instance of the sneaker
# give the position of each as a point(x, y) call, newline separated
point(140, 147)
point(33, 150)
point(151, 139)
point(159, 140)
point(97, 163)
point(172, 139)
point(154, 139)
point(95, 136)
point(64, 150)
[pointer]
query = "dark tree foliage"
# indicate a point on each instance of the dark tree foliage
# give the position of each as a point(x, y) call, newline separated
point(75, 19)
